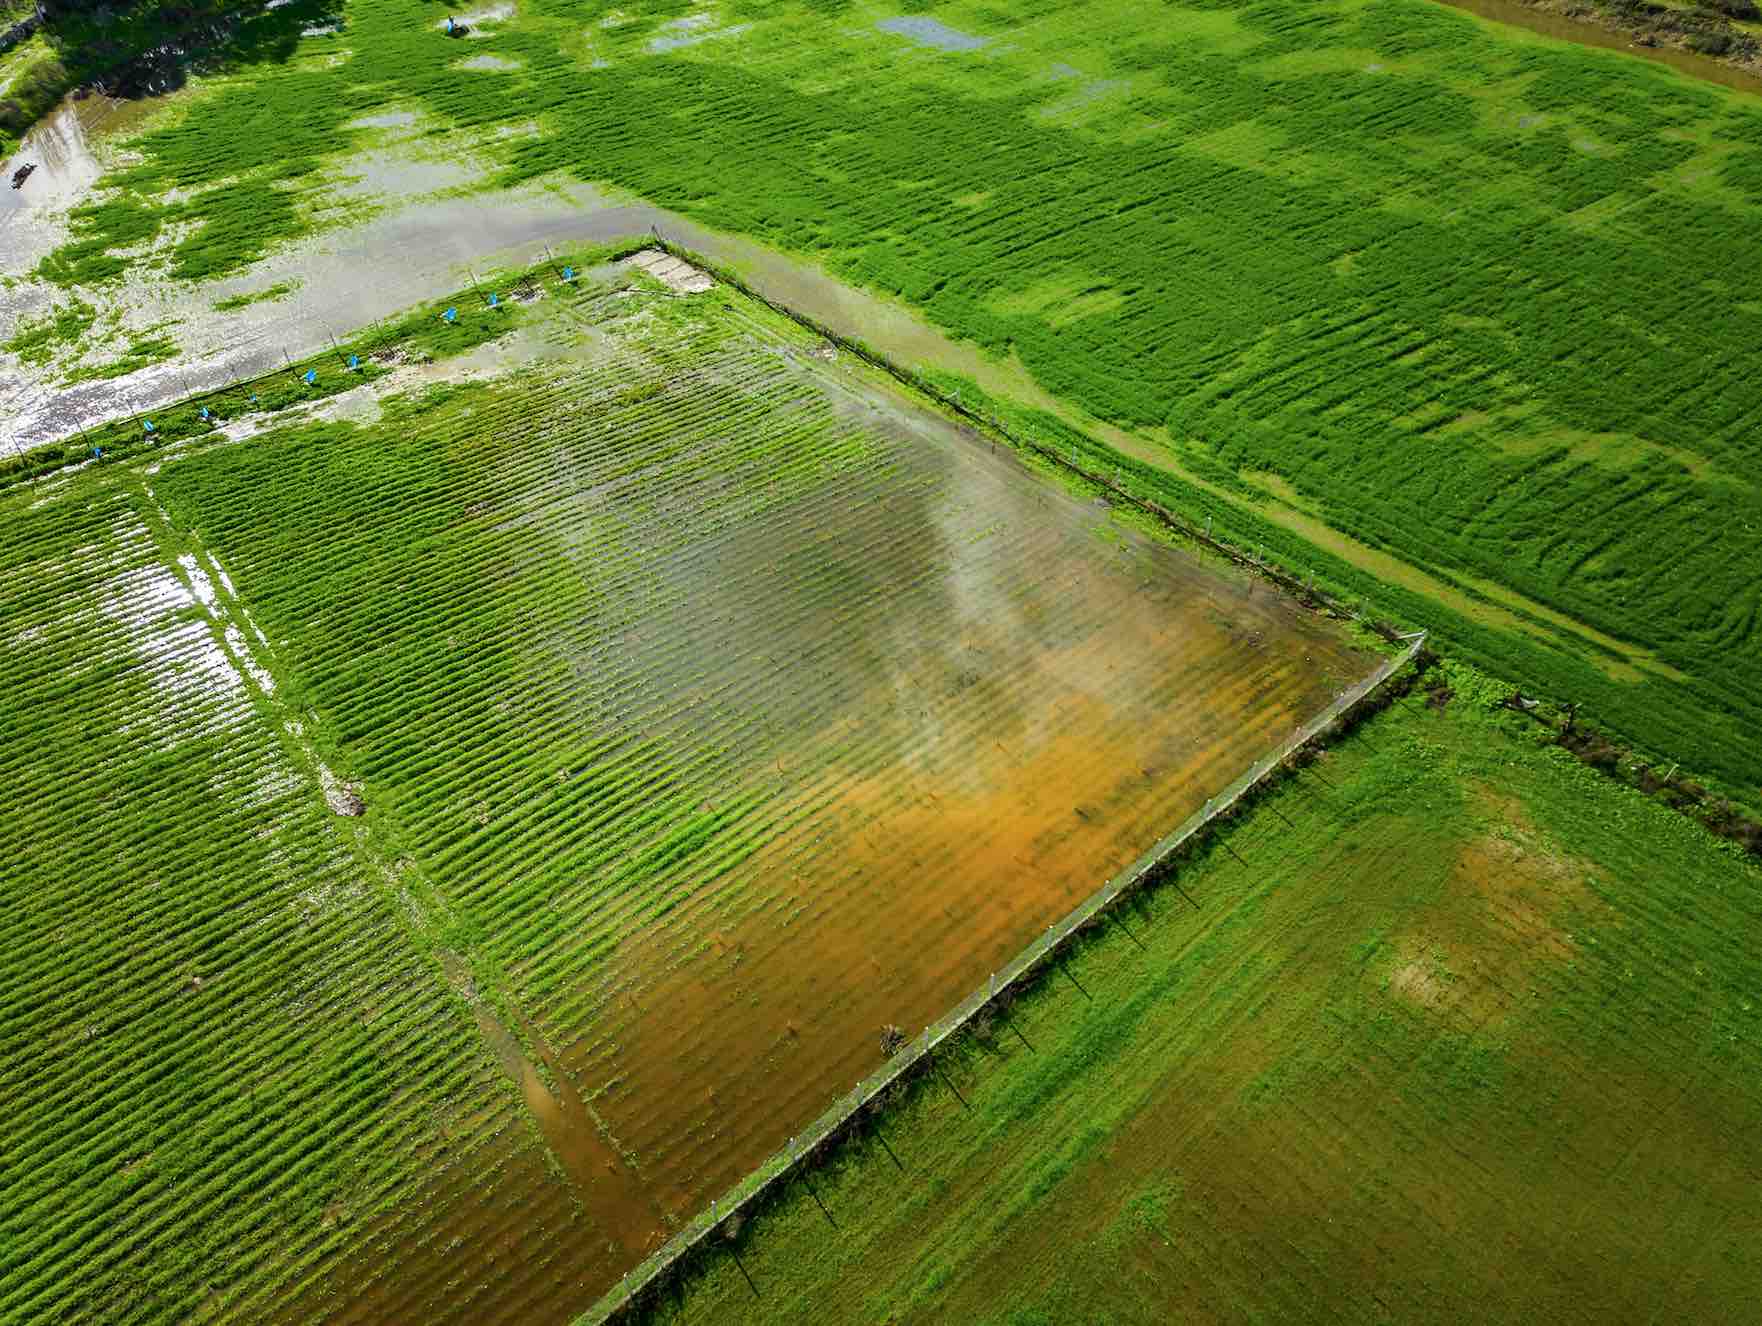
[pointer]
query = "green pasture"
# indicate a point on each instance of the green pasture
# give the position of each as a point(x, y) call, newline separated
point(1455, 1030)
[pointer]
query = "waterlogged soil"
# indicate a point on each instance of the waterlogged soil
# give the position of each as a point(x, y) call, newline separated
point(932, 33)
point(348, 279)
point(1440, 1051)
point(1589, 32)
point(965, 698)
point(1010, 725)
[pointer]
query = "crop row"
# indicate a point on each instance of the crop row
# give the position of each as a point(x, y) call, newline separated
point(204, 999)
point(1441, 291)
point(613, 644)
point(649, 642)
point(610, 597)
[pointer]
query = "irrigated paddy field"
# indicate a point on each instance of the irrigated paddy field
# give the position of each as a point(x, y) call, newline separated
point(466, 808)
point(464, 824)
point(1389, 290)
point(1453, 1031)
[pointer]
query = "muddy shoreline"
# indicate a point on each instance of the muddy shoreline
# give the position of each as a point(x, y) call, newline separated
point(1664, 42)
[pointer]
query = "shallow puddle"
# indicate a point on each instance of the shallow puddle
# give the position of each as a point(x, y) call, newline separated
point(933, 33)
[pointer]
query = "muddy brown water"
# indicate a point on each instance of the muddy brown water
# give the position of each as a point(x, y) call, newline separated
point(1549, 24)
point(1007, 701)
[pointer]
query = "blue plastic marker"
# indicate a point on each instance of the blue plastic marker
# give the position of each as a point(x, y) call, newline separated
point(253, 398)
point(311, 376)
point(449, 27)
point(493, 297)
point(204, 411)
point(149, 425)
point(451, 315)
point(354, 361)
point(568, 273)
point(98, 453)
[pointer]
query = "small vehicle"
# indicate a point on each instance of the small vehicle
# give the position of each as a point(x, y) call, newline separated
point(22, 174)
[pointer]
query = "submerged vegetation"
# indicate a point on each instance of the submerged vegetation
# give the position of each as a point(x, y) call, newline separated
point(587, 670)
point(232, 303)
point(208, 992)
point(1447, 996)
point(38, 341)
point(475, 786)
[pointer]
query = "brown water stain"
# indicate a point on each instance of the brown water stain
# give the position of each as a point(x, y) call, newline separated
point(602, 1180)
point(933, 872)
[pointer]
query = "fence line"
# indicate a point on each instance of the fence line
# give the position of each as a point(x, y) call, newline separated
point(800, 1149)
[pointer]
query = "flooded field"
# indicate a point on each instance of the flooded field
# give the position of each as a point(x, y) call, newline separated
point(462, 821)
point(1374, 1076)
point(711, 707)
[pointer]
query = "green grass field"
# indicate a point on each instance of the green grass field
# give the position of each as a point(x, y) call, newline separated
point(714, 702)
point(1472, 1035)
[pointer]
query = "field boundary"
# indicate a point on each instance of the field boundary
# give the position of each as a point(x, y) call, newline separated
point(1719, 814)
point(800, 1151)
point(1304, 590)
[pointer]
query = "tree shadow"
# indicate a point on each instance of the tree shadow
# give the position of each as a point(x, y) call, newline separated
point(152, 47)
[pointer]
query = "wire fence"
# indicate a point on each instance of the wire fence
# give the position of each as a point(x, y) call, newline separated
point(800, 1149)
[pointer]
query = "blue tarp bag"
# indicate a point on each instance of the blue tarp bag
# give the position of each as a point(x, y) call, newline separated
point(311, 376)
point(451, 315)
